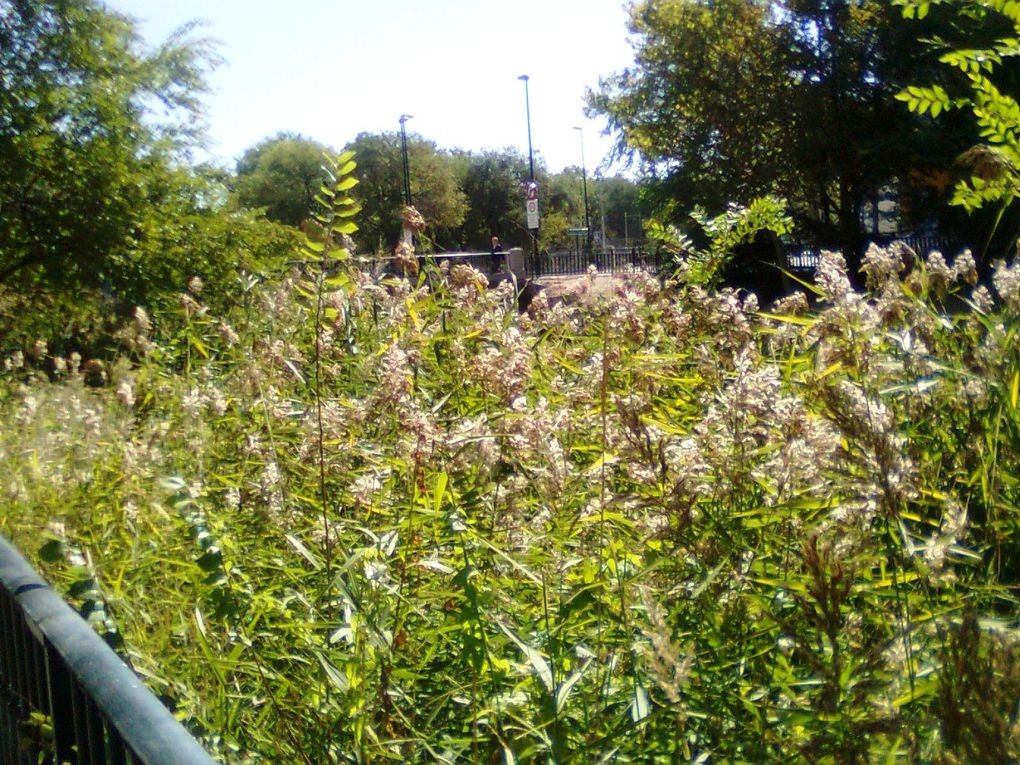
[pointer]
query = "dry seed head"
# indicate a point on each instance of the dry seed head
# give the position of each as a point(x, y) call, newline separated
point(940, 275)
point(412, 218)
point(1007, 283)
point(881, 264)
point(404, 258)
point(964, 267)
point(38, 350)
point(126, 392)
point(831, 276)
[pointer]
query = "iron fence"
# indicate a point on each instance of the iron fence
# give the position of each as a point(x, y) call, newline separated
point(485, 262)
point(804, 257)
point(65, 696)
point(606, 261)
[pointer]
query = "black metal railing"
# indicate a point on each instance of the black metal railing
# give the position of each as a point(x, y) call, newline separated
point(65, 696)
point(607, 262)
point(804, 257)
point(486, 262)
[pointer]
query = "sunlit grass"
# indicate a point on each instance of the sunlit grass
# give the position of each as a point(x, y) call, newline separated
point(655, 525)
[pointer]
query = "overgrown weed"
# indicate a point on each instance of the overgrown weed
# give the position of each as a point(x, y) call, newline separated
point(375, 519)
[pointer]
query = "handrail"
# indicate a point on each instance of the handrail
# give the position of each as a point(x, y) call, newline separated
point(89, 707)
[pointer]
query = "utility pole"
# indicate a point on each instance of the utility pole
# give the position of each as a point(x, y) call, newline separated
point(532, 187)
point(584, 186)
point(602, 209)
point(403, 150)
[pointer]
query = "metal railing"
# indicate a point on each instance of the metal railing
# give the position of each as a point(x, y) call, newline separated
point(65, 696)
point(607, 261)
point(804, 257)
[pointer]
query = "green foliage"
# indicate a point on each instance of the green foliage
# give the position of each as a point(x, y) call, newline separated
point(360, 520)
point(995, 179)
point(281, 175)
point(493, 185)
point(97, 213)
point(733, 100)
point(620, 199)
point(706, 100)
point(341, 518)
point(84, 158)
point(434, 188)
point(738, 225)
point(177, 240)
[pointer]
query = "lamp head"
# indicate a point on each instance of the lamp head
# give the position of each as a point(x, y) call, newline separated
point(523, 77)
point(405, 117)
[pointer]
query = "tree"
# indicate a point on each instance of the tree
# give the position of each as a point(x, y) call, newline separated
point(191, 231)
point(493, 183)
point(82, 150)
point(622, 207)
point(732, 99)
point(704, 108)
point(282, 175)
point(562, 208)
point(994, 165)
point(434, 188)
point(849, 59)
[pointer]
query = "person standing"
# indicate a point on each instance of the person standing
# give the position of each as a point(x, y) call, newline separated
point(498, 255)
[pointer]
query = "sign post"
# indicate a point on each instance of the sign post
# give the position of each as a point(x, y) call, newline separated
point(531, 205)
point(532, 220)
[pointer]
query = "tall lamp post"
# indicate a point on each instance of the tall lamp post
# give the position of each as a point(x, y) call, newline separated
point(531, 169)
point(527, 111)
point(584, 186)
point(403, 151)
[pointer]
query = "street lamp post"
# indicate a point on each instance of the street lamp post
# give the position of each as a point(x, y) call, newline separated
point(602, 208)
point(527, 110)
point(403, 150)
point(584, 186)
point(531, 169)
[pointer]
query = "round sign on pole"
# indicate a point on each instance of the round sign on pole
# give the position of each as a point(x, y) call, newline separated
point(531, 208)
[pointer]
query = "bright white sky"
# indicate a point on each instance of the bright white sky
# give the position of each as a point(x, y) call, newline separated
point(330, 69)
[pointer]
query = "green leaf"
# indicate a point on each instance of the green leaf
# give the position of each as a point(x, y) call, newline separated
point(439, 492)
point(640, 706)
point(563, 692)
point(52, 551)
point(535, 658)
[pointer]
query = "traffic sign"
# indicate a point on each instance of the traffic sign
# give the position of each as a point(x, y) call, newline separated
point(531, 208)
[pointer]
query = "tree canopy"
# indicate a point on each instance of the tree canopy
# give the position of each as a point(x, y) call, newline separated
point(83, 150)
point(282, 175)
point(101, 207)
point(704, 106)
point(733, 99)
point(493, 182)
point(434, 187)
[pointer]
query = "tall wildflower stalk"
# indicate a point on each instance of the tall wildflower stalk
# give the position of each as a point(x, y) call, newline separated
point(336, 208)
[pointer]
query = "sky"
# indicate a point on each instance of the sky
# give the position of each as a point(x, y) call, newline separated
point(329, 70)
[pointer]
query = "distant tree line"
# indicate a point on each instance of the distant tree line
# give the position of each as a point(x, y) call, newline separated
point(102, 208)
point(465, 197)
